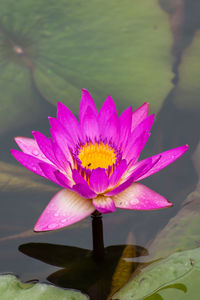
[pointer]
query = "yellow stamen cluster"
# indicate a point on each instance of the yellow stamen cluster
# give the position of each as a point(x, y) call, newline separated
point(97, 155)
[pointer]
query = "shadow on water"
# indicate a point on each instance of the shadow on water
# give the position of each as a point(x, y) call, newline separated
point(79, 268)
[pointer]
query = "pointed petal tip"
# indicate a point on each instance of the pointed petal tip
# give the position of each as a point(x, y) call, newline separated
point(64, 209)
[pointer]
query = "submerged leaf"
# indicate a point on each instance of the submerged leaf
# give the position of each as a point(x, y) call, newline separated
point(13, 288)
point(187, 91)
point(16, 179)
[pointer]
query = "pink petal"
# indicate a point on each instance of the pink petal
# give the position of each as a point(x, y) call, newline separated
point(63, 180)
point(99, 180)
point(89, 124)
point(69, 121)
point(82, 186)
point(126, 182)
point(45, 146)
point(61, 137)
point(49, 172)
point(30, 146)
point(107, 110)
point(117, 174)
point(140, 197)
point(125, 125)
point(139, 115)
point(84, 191)
point(64, 209)
point(61, 158)
point(77, 177)
point(28, 161)
point(86, 100)
point(104, 204)
point(166, 158)
point(111, 129)
point(144, 126)
point(136, 148)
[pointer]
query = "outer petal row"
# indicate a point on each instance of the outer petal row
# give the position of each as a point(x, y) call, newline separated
point(67, 207)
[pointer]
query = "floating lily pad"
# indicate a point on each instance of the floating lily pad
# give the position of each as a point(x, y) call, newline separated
point(13, 288)
point(179, 272)
point(182, 231)
point(187, 92)
point(55, 49)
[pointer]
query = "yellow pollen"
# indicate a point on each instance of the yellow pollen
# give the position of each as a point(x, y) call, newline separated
point(96, 155)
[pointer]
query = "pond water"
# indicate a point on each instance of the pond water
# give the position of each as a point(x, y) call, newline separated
point(28, 97)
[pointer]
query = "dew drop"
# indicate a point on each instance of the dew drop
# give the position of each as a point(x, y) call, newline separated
point(63, 220)
point(56, 214)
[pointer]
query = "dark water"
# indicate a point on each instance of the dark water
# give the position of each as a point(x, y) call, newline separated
point(21, 204)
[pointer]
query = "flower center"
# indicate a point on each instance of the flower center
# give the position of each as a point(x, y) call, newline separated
point(96, 155)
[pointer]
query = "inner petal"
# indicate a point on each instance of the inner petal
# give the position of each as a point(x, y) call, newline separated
point(97, 155)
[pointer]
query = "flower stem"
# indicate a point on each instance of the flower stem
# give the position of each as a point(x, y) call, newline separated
point(97, 235)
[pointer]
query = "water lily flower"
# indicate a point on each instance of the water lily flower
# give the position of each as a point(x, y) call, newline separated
point(95, 161)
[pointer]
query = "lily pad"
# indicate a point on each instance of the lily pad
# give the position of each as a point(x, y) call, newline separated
point(187, 91)
point(182, 232)
point(55, 49)
point(179, 272)
point(13, 288)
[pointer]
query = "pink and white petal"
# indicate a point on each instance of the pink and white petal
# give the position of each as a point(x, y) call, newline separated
point(139, 115)
point(89, 125)
point(136, 148)
point(86, 100)
point(140, 197)
point(104, 204)
point(45, 146)
point(166, 158)
point(69, 121)
point(107, 110)
point(125, 125)
point(117, 174)
point(30, 146)
point(98, 180)
point(64, 209)
point(29, 162)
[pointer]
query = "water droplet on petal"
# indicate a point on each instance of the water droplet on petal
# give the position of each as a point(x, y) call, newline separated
point(63, 220)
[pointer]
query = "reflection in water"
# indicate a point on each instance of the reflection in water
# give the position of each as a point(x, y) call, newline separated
point(79, 268)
